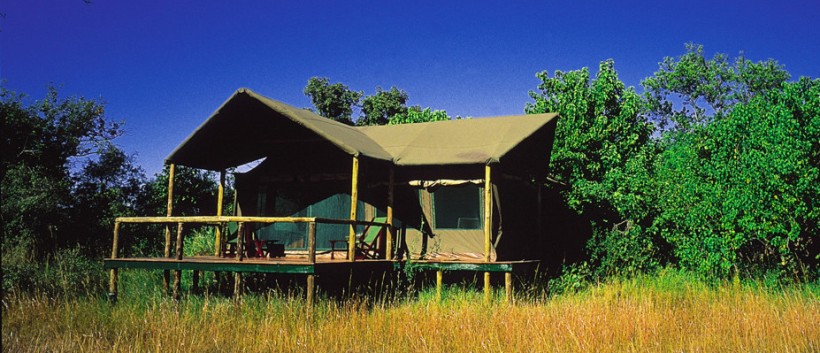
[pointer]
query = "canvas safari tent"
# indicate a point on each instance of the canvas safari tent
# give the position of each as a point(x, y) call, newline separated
point(459, 190)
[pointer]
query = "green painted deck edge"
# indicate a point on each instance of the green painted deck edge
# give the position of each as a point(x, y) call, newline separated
point(462, 266)
point(304, 268)
point(210, 266)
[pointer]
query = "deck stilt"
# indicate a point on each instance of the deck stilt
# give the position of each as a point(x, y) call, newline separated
point(311, 290)
point(439, 280)
point(112, 284)
point(508, 287)
point(237, 286)
point(488, 289)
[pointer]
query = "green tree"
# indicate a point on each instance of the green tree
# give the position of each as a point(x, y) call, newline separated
point(381, 107)
point(333, 101)
point(692, 90)
point(740, 195)
point(603, 152)
point(417, 115)
point(47, 147)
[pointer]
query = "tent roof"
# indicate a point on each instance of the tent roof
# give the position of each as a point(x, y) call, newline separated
point(249, 126)
point(467, 141)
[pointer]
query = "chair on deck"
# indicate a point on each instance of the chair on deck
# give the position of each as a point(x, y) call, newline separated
point(367, 245)
point(230, 233)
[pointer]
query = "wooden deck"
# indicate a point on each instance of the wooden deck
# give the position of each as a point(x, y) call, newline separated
point(291, 265)
point(301, 265)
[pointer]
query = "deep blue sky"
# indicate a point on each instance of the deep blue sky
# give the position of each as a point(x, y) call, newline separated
point(165, 66)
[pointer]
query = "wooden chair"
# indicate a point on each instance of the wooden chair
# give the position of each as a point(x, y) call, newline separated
point(367, 245)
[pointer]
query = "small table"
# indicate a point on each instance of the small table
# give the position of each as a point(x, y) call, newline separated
point(333, 246)
point(274, 249)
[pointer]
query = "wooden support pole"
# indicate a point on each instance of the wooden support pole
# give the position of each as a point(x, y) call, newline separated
point(237, 286)
point(112, 285)
point(354, 201)
point(220, 194)
point(439, 284)
point(488, 288)
point(388, 245)
point(312, 242)
point(180, 242)
point(508, 287)
point(240, 241)
point(488, 213)
point(166, 275)
point(311, 290)
point(178, 273)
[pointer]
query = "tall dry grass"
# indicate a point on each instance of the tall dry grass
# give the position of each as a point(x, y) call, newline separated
point(667, 313)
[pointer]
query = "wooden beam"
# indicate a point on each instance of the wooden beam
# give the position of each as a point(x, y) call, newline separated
point(225, 219)
point(220, 194)
point(388, 246)
point(354, 200)
point(226, 265)
point(488, 211)
point(166, 276)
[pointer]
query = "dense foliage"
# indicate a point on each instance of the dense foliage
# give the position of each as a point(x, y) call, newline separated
point(64, 180)
point(714, 169)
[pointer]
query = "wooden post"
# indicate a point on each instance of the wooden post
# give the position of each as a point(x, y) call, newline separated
point(166, 275)
point(508, 287)
point(178, 273)
point(240, 241)
point(439, 280)
point(179, 241)
point(388, 245)
point(220, 194)
point(112, 285)
point(237, 286)
point(488, 212)
point(488, 289)
point(311, 289)
point(354, 200)
point(312, 242)
point(488, 228)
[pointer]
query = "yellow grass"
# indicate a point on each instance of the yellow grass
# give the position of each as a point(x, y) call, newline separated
point(625, 316)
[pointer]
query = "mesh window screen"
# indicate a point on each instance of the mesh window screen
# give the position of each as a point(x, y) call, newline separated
point(457, 207)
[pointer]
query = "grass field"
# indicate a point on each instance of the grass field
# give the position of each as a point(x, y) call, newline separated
point(668, 312)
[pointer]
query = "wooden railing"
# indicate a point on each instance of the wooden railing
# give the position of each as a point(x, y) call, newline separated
point(181, 221)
